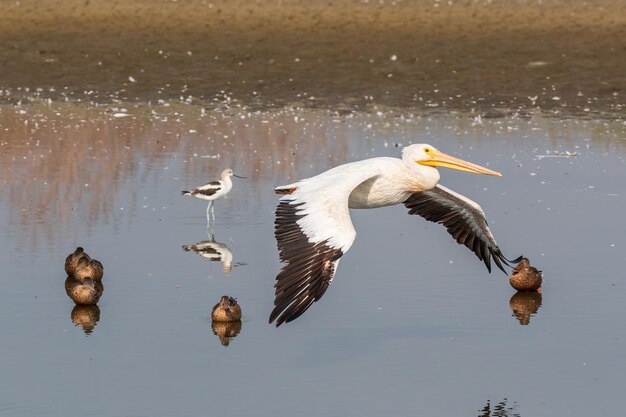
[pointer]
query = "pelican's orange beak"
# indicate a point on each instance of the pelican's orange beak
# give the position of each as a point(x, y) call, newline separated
point(439, 159)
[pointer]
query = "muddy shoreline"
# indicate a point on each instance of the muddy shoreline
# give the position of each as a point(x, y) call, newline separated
point(516, 56)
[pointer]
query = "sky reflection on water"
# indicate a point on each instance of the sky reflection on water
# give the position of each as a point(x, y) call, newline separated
point(412, 322)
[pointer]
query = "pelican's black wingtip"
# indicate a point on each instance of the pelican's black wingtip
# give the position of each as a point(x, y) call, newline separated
point(274, 317)
point(511, 263)
point(514, 261)
point(501, 260)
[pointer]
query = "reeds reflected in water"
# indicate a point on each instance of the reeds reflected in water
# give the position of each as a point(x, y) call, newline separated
point(67, 164)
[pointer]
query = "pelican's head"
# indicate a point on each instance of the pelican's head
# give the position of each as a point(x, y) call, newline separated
point(229, 173)
point(424, 154)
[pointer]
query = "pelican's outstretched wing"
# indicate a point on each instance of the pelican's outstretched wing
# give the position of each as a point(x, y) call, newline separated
point(313, 230)
point(464, 220)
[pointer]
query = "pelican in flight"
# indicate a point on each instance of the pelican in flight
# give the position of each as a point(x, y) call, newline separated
point(213, 190)
point(313, 227)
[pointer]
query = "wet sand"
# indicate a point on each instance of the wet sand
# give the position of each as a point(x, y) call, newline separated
point(557, 56)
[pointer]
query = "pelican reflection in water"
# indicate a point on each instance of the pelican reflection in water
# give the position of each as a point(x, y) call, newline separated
point(313, 227)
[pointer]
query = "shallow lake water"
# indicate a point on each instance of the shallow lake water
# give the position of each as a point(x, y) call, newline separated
point(412, 323)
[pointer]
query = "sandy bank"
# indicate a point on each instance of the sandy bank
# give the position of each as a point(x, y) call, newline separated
point(424, 54)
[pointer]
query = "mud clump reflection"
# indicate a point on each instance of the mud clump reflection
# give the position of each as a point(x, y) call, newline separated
point(525, 304)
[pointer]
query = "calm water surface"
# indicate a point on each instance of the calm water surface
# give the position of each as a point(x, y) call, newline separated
point(412, 323)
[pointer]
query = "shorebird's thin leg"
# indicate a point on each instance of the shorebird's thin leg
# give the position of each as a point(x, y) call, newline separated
point(209, 231)
point(208, 211)
point(213, 212)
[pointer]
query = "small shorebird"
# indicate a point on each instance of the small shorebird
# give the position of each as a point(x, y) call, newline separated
point(213, 190)
point(226, 310)
point(313, 227)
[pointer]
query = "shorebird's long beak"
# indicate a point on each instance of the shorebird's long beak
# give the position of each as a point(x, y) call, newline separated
point(440, 159)
point(238, 176)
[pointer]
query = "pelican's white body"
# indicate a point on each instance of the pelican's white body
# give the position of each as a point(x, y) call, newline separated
point(370, 183)
point(314, 230)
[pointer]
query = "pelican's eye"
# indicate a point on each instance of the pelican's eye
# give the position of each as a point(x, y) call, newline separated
point(427, 150)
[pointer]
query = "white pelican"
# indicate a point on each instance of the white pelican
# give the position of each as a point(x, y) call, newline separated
point(313, 227)
point(214, 190)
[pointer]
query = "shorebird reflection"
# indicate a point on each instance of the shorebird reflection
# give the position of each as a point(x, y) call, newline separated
point(214, 251)
point(524, 305)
